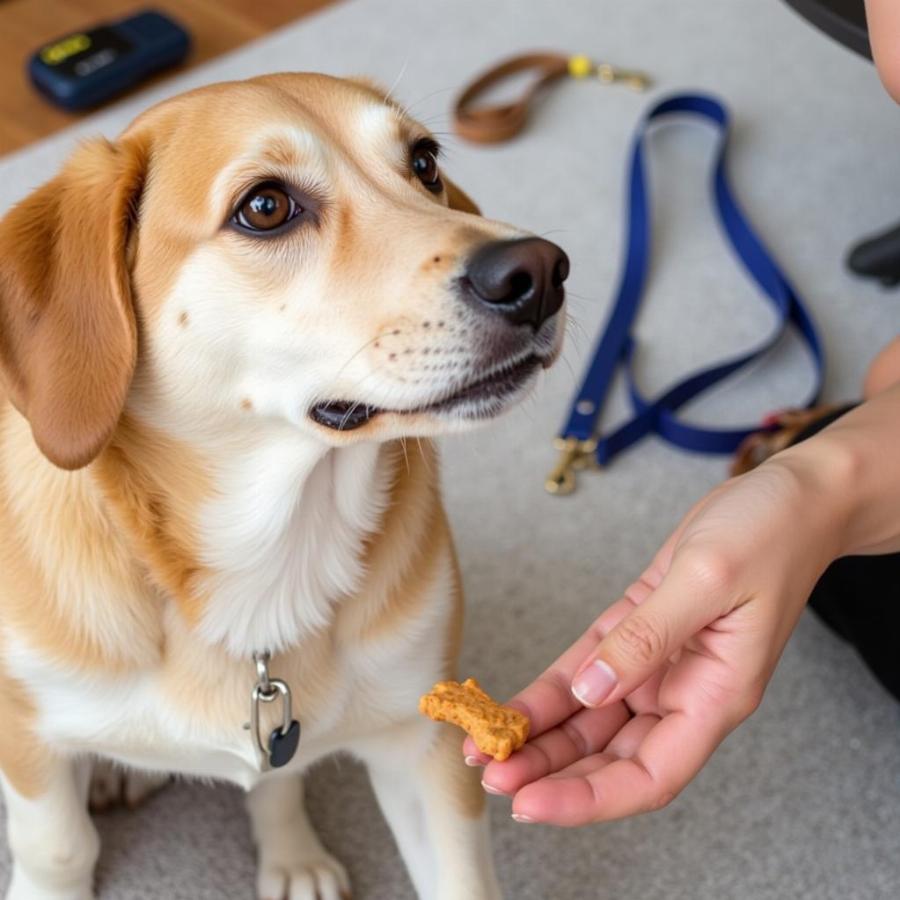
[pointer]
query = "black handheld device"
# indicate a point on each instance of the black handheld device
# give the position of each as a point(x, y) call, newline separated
point(84, 69)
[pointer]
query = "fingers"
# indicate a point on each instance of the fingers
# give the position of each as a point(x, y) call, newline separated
point(473, 756)
point(667, 754)
point(692, 595)
point(629, 738)
point(884, 25)
point(548, 700)
point(587, 732)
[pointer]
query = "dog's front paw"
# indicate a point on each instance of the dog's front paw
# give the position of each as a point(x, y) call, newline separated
point(308, 877)
point(113, 785)
point(21, 887)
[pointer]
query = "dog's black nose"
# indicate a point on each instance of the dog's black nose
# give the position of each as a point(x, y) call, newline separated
point(521, 279)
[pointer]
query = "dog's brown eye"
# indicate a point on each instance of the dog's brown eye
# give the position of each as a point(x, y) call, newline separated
point(266, 208)
point(424, 164)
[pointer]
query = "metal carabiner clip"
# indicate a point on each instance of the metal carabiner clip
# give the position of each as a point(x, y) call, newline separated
point(606, 73)
point(574, 454)
point(281, 745)
point(277, 689)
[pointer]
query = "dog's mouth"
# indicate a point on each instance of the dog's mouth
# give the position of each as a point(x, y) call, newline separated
point(480, 398)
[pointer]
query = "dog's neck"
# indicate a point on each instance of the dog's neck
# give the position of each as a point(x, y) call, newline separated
point(262, 552)
point(284, 539)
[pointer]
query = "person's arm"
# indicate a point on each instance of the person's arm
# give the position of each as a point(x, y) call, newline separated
point(867, 441)
point(628, 716)
point(883, 18)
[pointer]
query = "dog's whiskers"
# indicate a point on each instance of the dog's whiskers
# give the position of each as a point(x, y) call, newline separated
point(580, 298)
point(564, 356)
point(365, 346)
point(425, 459)
point(405, 454)
point(354, 406)
point(388, 97)
point(576, 331)
point(407, 109)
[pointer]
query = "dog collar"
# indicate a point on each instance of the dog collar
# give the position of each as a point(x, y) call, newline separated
point(281, 745)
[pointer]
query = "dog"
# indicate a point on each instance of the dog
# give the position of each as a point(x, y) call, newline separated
point(218, 334)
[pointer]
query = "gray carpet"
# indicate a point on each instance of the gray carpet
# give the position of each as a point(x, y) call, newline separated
point(804, 800)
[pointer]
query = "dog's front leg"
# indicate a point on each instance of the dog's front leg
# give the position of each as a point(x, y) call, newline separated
point(436, 809)
point(53, 842)
point(291, 860)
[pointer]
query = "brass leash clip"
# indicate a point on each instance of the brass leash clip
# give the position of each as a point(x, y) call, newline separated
point(583, 67)
point(574, 454)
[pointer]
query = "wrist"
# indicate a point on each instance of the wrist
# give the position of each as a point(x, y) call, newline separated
point(825, 470)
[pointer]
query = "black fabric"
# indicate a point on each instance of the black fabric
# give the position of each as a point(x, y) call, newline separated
point(858, 597)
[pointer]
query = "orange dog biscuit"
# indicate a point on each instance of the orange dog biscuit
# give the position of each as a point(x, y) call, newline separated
point(497, 730)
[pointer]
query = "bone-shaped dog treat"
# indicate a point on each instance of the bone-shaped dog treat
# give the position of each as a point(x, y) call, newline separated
point(497, 730)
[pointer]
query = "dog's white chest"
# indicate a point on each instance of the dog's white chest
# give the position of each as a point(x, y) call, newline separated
point(133, 719)
point(287, 551)
point(284, 539)
point(153, 720)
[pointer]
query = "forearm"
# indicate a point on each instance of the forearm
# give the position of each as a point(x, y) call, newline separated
point(852, 470)
point(883, 17)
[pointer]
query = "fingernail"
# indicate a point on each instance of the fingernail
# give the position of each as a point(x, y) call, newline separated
point(525, 820)
point(473, 761)
point(592, 686)
point(489, 789)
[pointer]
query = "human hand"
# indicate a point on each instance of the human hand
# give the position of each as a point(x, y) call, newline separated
point(629, 714)
point(883, 18)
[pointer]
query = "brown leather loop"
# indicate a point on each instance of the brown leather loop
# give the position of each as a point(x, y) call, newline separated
point(492, 124)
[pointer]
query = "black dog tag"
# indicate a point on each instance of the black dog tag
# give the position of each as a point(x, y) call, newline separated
point(283, 746)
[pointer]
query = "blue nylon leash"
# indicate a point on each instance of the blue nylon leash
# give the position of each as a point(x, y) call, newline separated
point(580, 443)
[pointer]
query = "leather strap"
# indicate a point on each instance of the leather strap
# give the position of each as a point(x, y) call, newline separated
point(500, 122)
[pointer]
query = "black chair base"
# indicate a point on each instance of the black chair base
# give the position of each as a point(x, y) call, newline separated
point(878, 257)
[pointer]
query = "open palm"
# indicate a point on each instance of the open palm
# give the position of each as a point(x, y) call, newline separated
point(682, 658)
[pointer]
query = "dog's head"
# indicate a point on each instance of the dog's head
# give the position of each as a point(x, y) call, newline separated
point(285, 248)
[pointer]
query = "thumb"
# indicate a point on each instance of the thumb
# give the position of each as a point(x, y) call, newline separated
point(645, 636)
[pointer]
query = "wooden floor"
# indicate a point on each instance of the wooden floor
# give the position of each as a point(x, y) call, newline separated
point(26, 25)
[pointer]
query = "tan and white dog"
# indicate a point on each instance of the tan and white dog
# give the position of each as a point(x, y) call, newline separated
point(215, 333)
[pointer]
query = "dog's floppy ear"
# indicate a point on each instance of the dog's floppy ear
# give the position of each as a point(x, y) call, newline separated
point(68, 338)
point(457, 198)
